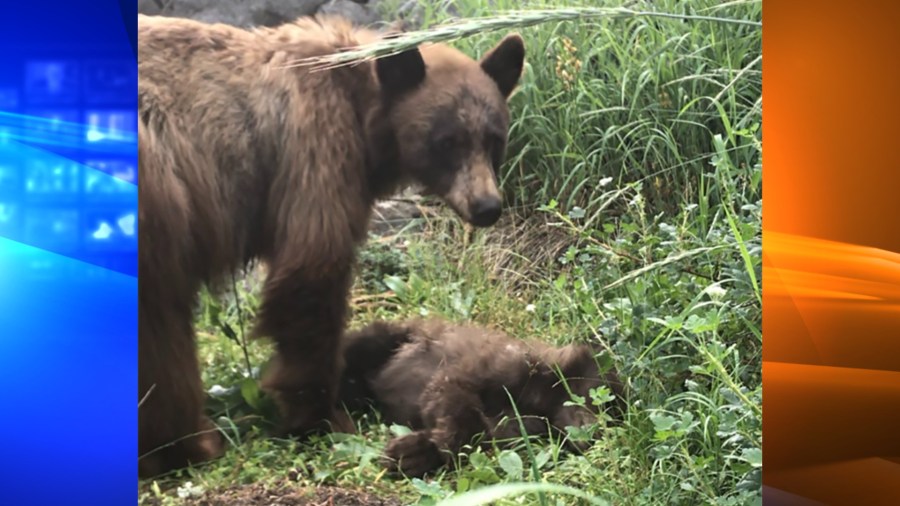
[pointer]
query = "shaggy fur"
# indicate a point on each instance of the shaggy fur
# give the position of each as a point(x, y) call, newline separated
point(449, 383)
point(243, 158)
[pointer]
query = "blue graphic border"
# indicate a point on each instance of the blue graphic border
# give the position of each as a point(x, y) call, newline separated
point(68, 252)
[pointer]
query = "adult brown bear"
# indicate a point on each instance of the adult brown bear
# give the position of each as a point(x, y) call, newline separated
point(243, 157)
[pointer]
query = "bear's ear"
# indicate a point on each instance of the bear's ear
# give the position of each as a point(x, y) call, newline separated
point(504, 63)
point(400, 73)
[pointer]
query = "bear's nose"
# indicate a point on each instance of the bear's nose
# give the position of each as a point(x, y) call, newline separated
point(486, 211)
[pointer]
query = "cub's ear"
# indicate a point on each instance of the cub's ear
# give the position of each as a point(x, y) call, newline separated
point(504, 63)
point(400, 73)
point(575, 360)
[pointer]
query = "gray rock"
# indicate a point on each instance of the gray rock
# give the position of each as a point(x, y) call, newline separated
point(359, 13)
point(248, 13)
point(392, 215)
point(242, 13)
point(150, 7)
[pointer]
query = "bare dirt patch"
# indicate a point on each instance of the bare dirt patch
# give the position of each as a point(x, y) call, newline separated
point(287, 495)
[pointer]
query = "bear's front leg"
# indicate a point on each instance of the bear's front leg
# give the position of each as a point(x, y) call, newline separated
point(305, 313)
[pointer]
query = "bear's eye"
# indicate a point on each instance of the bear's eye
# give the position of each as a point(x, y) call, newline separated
point(493, 145)
point(445, 144)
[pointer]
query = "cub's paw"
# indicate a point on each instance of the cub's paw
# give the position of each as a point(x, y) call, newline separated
point(413, 455)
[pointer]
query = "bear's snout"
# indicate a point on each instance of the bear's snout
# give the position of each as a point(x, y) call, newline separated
point(485, 211)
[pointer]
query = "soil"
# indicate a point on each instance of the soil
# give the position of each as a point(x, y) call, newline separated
point(287, 495)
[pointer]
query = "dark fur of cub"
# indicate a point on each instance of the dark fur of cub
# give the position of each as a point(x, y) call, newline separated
point(451, 382)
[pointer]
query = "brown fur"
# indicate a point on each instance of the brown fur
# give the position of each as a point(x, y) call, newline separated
point(242, 158)
point(450, 382)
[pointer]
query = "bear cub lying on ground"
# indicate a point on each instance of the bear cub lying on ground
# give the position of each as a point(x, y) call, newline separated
point(449, 383)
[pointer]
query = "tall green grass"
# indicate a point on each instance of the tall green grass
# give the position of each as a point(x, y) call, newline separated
point(633, 99)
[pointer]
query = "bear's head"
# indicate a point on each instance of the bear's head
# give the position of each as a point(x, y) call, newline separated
point(450, 120)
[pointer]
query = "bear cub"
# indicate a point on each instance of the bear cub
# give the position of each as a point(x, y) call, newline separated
point(449, 383)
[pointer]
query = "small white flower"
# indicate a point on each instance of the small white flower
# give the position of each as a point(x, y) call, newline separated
point(605, 181)
point(529, 308)
point(217, 391)
point(715, 292)
point(189, 490)
point(669, 229)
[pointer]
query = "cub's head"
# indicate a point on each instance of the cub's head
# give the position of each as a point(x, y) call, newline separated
point(578, 364)
point(450, 119)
